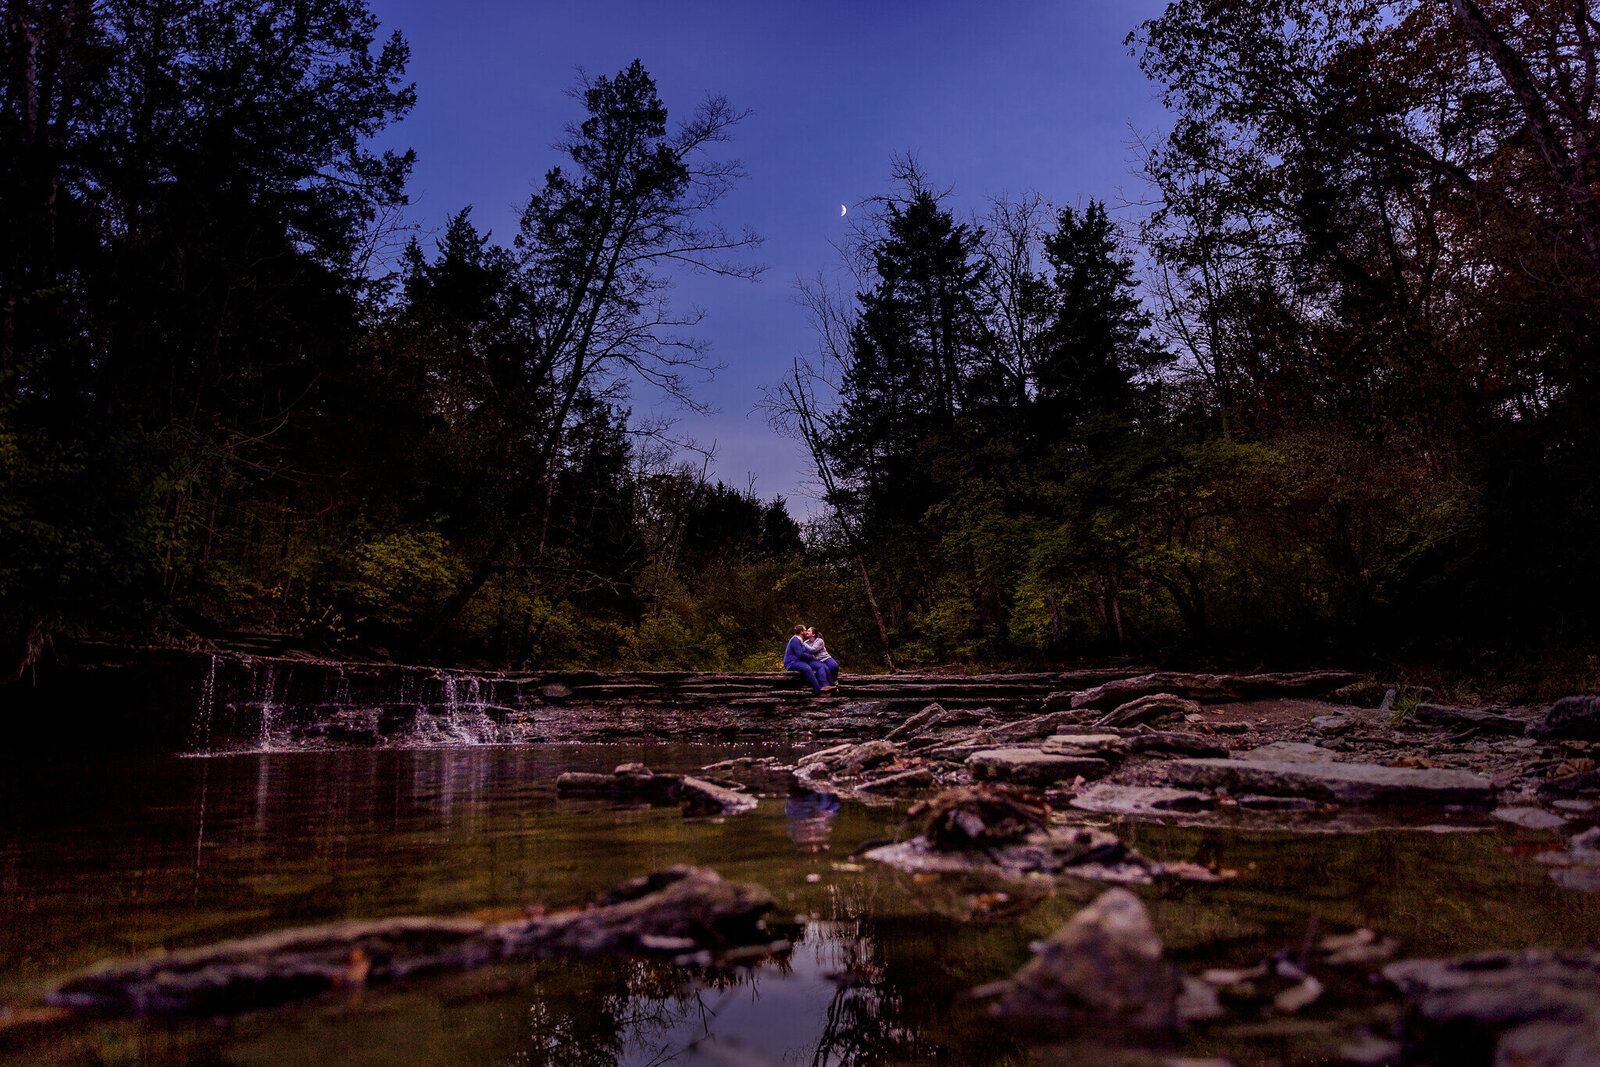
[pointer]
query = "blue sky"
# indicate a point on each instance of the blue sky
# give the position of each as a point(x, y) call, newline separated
point(990, 98)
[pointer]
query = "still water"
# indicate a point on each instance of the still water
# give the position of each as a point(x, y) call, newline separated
point(103, 857)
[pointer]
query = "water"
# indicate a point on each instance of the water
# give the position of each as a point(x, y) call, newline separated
point(114, 857)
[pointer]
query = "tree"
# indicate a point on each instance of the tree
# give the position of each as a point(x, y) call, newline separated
point(596, 248)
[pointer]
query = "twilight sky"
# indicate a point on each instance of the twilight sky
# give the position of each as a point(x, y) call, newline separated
point(991, 98)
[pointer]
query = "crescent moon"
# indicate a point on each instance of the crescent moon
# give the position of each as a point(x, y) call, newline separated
point(841, 211)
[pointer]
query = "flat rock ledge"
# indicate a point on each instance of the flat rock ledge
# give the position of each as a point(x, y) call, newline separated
point(1032, 766)
point(1341, 783)
point(673, 912)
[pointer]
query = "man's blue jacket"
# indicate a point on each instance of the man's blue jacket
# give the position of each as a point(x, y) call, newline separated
point(795, 652)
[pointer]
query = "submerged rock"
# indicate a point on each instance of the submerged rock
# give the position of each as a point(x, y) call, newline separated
point(1105, 966)
point(1146, 800)
point(1529, 818)
point(637, 783)
point(1345, 783)
point(672, 910)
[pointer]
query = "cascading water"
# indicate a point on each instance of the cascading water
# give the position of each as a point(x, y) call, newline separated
point(205, 709)
point(269, 709)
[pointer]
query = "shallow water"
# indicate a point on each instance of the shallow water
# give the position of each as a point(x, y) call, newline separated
point(109, 858)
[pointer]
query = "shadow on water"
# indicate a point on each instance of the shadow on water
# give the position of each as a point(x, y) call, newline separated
point(103, 857)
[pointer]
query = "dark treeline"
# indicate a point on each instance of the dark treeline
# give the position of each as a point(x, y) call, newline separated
point(1332, 393)
point(1351, 411)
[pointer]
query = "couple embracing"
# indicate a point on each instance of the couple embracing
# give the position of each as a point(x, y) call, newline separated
point(807, 656)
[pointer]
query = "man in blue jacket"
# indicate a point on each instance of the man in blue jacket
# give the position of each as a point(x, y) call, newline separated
point(796, 658)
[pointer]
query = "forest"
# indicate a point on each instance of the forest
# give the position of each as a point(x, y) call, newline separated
point(1331, 394)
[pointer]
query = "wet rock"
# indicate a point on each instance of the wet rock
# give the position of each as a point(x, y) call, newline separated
point(1145, 800)
point(1513, 721)
point(1573, 717)
point(1344, 783)
point(1153, 708)
point(763, 773)
point(977, 817)
point(900, 782)
point(636, 783)
point(1359, 948)
point(1528, 818)
point(1077, 852)
point(1106, 966)
point(1030, 766)
point(683, 906)
point(1212, 688)
point(1038, 726)
point(1539, 1006)
point(850, 759)
point(1288, 752)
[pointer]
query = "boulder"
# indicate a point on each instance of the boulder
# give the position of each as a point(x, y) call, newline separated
point(1344, 783)
point(1030, 766)
point(1105, 966)
point(1576, 717)
point(1152, 708)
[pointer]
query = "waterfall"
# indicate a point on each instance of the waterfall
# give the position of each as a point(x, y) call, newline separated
point(200, 727)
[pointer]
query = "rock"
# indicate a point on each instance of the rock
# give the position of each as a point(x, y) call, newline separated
point(1255, 802)
point(634, 782)
point(1538, 1006)
point(1152, 708)
point(1212, 688)
point(1030, 766)
point(1104, 746)
point(1370, 1050)
point(921, 722)
point(700, 797)
point(1288, 752)
point(825, 756)
point(1037, 727)
point(1142, 800)
point(1079, 852)
point(1333, 725)
point(1514, 721)
point(866, 756)
point(764, 773)
point(1529, 818)
point(1373, 694)
point(1174, 743)
point(918, 778)
point(1345, 783)
point(1583, 784)
point(1573, 717)
point(1105, 966)
point(683, 906)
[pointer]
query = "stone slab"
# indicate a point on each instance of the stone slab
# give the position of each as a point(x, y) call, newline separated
point(1031, 766)
point(1345, 783)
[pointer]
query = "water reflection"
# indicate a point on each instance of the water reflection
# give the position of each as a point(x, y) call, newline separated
point(810, 815)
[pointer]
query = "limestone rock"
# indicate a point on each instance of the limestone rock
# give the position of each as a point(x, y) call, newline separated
point(1174, 743)
point(1212, 688)
point(1152, 708)
point(901, 781)
point(1104, 966)
point(1514, 721)
point(1101, 746)
point(1146, 800)
point(1345, 783)
point(1030, 766)
point(1288, 752)
point(1529, 818)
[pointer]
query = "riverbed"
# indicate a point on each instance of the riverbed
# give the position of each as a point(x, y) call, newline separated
point(109, 857)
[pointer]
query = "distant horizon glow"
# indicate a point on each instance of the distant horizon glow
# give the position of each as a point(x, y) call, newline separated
point(1043, 96)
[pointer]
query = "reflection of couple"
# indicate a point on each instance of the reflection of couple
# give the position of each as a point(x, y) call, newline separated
point(807, 656)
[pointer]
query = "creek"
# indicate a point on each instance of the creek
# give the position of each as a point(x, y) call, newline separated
point(111, 855)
